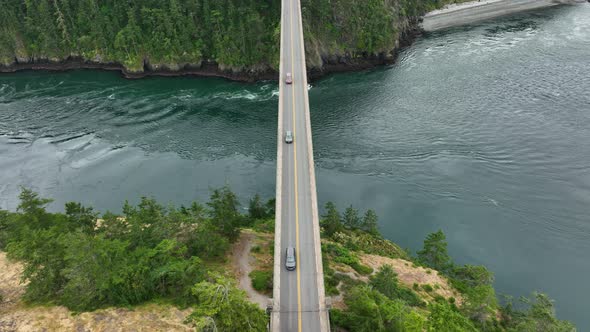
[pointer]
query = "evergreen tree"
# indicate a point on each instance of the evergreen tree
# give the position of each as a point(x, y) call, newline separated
point(81, 217)
point(386, 282)
point(434, 253)
point(234, 33)
point(351, 218)
point(256, 209)
point(369, 223)
point(331, 220)
point(270, 207)
point(539, 316)
point(222, 307)
point(370, 311)
point(32, 205)
point(224, 213)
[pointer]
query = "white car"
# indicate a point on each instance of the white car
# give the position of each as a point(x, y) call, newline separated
point(290, 262)
point(288, 137)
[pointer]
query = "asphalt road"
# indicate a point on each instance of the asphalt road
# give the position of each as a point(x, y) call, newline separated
point(473, 12)
point(300, 292)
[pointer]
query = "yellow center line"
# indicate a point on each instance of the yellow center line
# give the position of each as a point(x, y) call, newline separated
point(298, 252)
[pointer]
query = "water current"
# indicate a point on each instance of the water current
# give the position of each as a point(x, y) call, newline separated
point(482, 131)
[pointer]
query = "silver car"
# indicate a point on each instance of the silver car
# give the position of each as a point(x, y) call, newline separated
point(290, 262)
point(288, 137)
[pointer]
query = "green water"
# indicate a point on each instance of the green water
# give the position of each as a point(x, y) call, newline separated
point(480, 131)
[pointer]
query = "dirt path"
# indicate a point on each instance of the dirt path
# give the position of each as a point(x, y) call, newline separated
point(242, 262)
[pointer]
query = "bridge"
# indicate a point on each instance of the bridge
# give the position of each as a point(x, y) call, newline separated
point(298, 296)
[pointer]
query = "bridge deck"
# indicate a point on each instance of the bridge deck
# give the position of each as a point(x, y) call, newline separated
point(298, 296)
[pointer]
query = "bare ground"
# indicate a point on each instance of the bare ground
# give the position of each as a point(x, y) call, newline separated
point(242, 264)
point(408, 274)
point(16, 316)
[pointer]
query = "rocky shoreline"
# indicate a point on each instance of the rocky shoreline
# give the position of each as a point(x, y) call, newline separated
point(202, 70)
point(336, 65)
point(324, 65)
point(330, 64)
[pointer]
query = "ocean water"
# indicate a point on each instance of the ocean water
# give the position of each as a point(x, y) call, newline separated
point(482, 131)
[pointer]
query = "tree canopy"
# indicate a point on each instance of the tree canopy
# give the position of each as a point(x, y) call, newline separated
point(150, 252)
point(434, 253)
point(239, 35)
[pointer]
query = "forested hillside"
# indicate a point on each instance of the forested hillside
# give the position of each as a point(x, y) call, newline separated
point(153, 254)
point(237, 35)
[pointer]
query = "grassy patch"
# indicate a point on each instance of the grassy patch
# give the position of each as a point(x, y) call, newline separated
point(342, 255)
point(362, 269)
point(264, 225)
point(358, 240)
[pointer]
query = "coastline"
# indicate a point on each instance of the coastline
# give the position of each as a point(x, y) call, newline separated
point(475, 11)
point(340, 65)
point(451, 15)
point(203, 70)
point(337, 65)
point(330, 64)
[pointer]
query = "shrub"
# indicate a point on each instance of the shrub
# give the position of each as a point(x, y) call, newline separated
point(416, 287)
point(468, 276)
point(444, 317)
point(264, 225)
point(261, 280)
point(369, 310)
point(330, 280)
point(258, 210)
point(342, 255)
point(223, 307)
point(332, 290)
point(372, 244)
point(386, 282)
point(427, 288)
point(339, 253)
point(538, 314)
point(439, 298)
point(256, 249)
point(361, 269)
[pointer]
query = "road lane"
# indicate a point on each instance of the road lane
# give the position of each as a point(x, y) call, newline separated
point(298, 294)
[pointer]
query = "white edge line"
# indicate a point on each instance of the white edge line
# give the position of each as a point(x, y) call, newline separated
point(276, 314)
point(314, 201)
